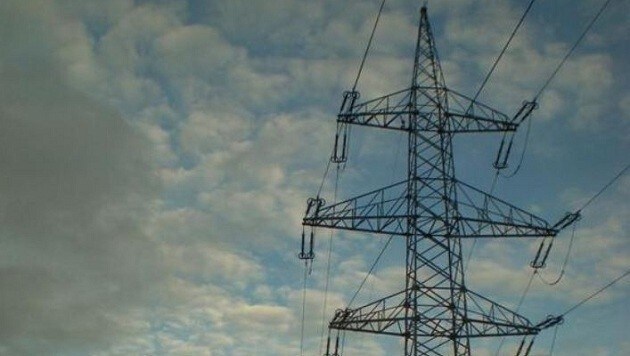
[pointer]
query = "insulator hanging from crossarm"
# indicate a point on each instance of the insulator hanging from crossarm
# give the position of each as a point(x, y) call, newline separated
point(550, 321)
point(306, 255)
point(336, 352)
point(340, 151)
point(540, 260)
point(529, 347)
point(568, 219)
point(500, 162)
point(328, 345)
point(524, 350)
point(312, 208)
point(524, 112)
point(503, 154)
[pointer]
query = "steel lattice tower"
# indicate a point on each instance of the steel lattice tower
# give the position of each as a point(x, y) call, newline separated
point(436, 313)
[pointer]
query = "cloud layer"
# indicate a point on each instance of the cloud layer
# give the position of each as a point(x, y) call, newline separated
point(156, 157)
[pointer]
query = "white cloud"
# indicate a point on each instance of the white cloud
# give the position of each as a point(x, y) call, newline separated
point(237, 102)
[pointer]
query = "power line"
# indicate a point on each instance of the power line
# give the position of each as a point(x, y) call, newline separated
point(593, 295)
point(518, 306)
point(572, 49)
point(367, 49)
point(330, 244)
point(303, 308)
point(371, 269)
point(553, 341)
point(605, 187)
point(321, 185)
point(494, 65)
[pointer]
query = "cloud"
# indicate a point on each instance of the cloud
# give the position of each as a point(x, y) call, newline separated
point(229, 107)
point(75, 188)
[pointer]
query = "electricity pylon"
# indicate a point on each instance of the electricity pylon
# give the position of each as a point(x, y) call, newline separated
point(436, 313)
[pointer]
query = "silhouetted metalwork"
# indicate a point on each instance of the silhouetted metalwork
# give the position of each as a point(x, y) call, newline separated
point(436, 313)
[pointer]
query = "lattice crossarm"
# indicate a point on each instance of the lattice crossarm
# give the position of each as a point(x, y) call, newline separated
point(468, 115)
point(483, 215)
point(389, 112)
point(380, 211)
point(384, 316)
point(488, 318)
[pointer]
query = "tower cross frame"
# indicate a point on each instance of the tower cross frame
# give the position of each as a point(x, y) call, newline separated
point(436, 313)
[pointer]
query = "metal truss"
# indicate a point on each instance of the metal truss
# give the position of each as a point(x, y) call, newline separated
point(387, 316)
point(384, 211)
point(392, 112)
point(432, 211)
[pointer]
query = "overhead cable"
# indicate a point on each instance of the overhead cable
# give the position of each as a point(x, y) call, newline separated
point(621, 173)
point(494, 65)
point(371, 269)
point(593, 295)
point(572, 49)
point(367, 49)
point(330, 244)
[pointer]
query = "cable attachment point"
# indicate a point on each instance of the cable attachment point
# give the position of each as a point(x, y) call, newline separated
point(524, 112)
point(550, 321)
point(313, 205)
point(568, 219)
point(349, 99)
point(540, 259)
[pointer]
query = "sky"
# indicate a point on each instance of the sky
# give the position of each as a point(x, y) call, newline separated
point(156, 157)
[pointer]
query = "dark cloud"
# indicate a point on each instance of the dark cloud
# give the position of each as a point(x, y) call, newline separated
point(76, 185)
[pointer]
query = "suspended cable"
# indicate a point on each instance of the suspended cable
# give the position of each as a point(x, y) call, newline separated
point(330, 244)
point(303, 308)
point(321, 185)
point(621, 173)
point(356, 81)
point(553, 340)
point(564, 263)
point(494, 65)
point(558, 319)
point(367, 49)
point(551, 77)
point(370, 271)
point(518, 306)
point(572, 49)
point(472, 248)
point(593, 295)
point(375, 263)
point(529, 284)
